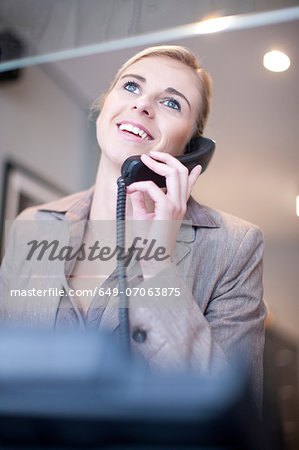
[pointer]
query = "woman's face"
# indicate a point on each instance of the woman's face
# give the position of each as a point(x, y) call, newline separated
point(153, 106)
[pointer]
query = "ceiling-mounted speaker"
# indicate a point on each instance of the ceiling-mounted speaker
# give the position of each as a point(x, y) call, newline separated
point(11, 47)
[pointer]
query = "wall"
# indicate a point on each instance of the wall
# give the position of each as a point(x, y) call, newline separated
point(44, 129)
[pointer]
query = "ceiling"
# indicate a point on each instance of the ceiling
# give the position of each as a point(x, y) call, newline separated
point(254, 120)
point(51, 26)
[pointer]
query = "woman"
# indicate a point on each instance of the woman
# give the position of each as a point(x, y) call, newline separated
point(158, 101)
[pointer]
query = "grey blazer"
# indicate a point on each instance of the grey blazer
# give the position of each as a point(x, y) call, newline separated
point(217, 268)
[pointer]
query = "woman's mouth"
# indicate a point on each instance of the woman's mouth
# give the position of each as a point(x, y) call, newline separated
point(135, 130)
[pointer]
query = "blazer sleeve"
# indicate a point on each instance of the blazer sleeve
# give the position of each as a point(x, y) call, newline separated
point(179, 334)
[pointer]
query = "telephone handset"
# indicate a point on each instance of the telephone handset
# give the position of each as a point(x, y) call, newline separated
point(199, 151)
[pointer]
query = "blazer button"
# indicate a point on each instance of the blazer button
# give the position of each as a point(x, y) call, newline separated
point(139, 335)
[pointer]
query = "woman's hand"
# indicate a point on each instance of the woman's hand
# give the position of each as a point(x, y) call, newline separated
point(162, 212)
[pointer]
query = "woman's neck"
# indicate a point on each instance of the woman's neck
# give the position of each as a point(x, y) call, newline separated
point(103, 205)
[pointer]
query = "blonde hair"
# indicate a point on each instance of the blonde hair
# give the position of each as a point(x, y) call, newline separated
point(178, 53)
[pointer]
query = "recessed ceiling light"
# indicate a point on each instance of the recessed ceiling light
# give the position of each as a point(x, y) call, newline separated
point(276, 61)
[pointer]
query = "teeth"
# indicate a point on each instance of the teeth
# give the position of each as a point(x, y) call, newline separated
point(127, 127)
point(135, 130)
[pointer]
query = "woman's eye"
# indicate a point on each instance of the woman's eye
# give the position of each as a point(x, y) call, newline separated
point(172, 103)
point(131, 86)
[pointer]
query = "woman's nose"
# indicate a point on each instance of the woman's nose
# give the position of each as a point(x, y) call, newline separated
point(144, 106)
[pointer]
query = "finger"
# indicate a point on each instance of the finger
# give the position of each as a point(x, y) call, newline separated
point(161, 203)
point(159, 167)
point(187, 182)
point(138, 205)
point(170, 173)
point(179, 170)
point(193, 177)
point(146, 186)
point(176, 175)
point(169, 160)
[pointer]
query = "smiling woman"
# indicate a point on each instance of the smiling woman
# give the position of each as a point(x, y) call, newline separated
point(201, 303)
point(143, 101)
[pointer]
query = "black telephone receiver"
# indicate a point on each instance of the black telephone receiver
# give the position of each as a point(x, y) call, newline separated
point(198, 151)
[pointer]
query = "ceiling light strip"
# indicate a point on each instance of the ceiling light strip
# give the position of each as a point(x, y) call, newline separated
point(236, 22)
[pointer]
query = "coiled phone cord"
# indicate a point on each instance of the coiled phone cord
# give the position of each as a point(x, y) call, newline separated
point(124, 329)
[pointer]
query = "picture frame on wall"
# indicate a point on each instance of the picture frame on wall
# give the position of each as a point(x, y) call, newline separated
point(23, 188)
